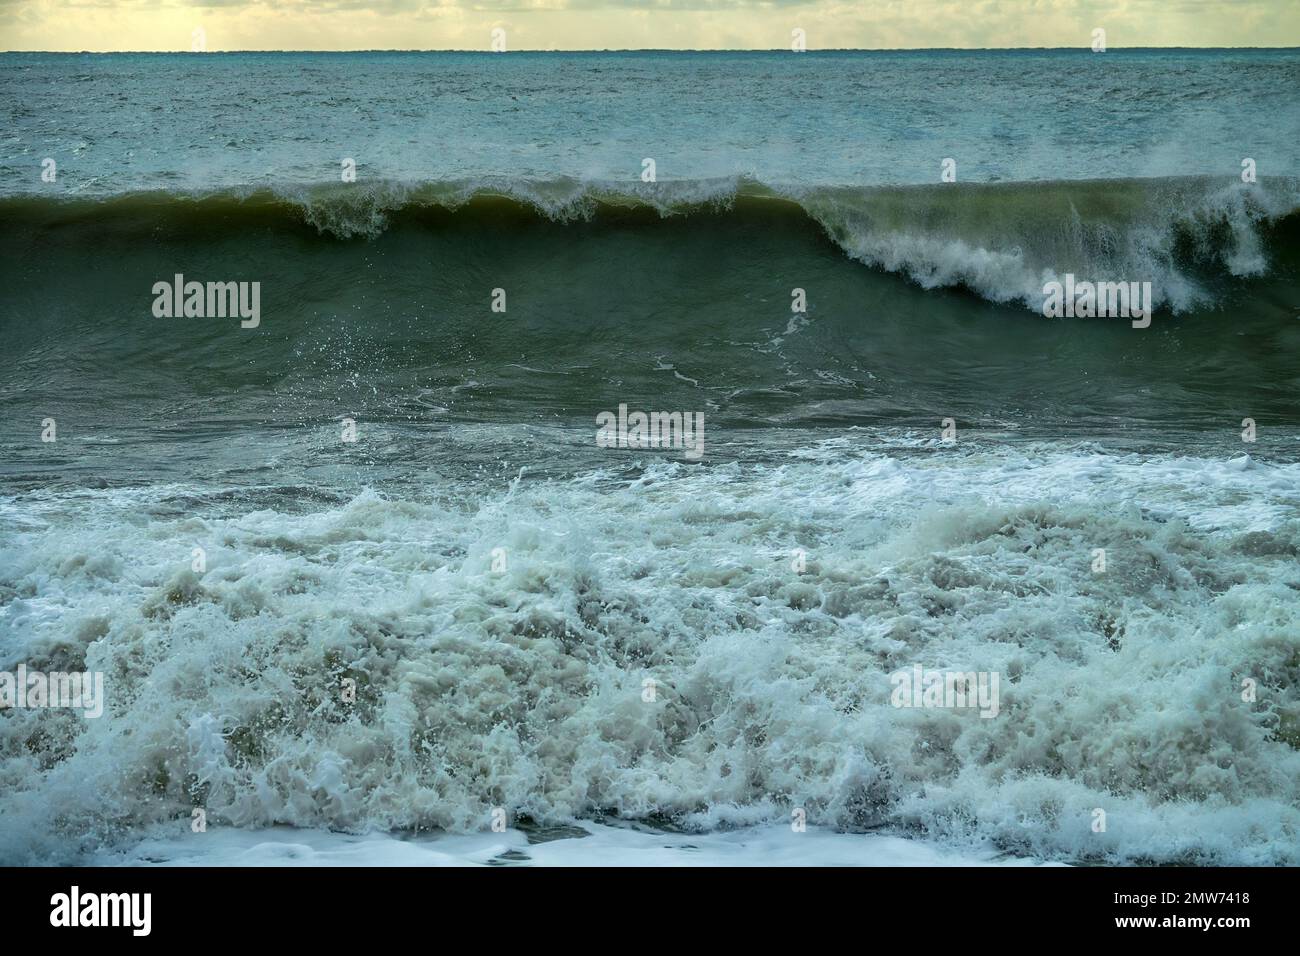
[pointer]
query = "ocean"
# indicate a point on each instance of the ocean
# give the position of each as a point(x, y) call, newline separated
point(363, 562)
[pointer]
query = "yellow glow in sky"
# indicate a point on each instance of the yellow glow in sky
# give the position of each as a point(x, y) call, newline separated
point(106, 25)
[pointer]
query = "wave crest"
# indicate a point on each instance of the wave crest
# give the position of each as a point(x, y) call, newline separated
point(1003, 241)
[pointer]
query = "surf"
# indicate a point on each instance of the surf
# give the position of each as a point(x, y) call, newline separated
point(1002, 241)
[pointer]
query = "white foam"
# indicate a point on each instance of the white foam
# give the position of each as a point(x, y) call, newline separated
point(524, 689)
point(591, 844)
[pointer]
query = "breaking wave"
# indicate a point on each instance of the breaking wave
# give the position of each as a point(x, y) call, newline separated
point(1002, 241)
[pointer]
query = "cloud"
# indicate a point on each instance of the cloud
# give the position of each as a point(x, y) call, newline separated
point(631, 24)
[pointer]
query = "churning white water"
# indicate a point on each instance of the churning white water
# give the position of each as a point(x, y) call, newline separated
point(693, 648)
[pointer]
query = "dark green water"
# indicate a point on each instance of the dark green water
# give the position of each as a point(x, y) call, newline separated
point(689, 311)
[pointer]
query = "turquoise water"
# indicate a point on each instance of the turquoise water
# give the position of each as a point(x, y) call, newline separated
point(122, 122)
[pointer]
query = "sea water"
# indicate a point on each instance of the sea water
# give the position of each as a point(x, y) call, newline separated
point(365, 567)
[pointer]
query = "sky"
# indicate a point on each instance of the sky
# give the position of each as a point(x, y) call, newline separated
point(107, 25)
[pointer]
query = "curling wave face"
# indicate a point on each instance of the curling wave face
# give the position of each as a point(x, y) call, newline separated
point(378, 300)
point(1004, 242)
